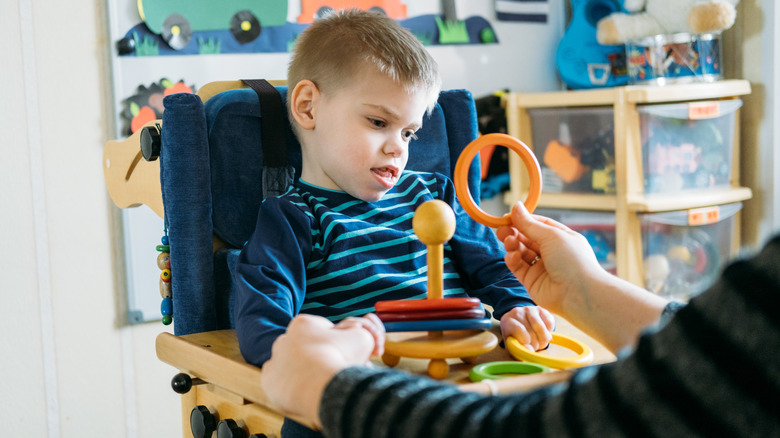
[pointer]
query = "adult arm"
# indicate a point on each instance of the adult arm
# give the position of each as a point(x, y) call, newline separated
point(711, 371)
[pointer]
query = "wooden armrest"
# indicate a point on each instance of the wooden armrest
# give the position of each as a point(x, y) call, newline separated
point(213, 357)
point(131, 180)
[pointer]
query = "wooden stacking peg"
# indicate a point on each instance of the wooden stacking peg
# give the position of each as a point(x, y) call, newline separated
point(434, 224)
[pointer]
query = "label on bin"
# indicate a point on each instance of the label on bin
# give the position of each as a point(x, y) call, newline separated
point(703, 110)
point(703, 216)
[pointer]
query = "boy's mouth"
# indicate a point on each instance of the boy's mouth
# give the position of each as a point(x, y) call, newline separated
point(387, 175)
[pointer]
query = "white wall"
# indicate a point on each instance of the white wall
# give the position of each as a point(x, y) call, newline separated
point(752, 52)
point(68, 368)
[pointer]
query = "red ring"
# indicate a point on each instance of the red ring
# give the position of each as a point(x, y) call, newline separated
point(461, 175)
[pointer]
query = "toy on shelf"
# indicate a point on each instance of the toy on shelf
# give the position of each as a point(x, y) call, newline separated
point(582, 60)
point(675, 58)
point(655, 17)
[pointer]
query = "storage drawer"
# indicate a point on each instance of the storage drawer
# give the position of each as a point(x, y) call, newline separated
point(687, 146)
point(684, 251)
point(575, 147)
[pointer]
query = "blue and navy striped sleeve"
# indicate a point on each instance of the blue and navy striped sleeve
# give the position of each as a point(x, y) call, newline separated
point(270, 277)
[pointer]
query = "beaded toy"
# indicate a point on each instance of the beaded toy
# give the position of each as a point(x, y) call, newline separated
point(164, 263)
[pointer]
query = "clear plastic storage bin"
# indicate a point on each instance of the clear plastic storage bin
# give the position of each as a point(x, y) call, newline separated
point(684, 251)
point(575, 148)
point(687, 146)
point(597, 226)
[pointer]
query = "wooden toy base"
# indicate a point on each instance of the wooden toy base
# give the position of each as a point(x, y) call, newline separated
point(438, 346)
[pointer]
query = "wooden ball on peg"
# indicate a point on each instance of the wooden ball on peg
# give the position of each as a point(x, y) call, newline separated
point(434, 222)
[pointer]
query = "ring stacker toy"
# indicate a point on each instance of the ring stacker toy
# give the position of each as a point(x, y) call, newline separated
point(502, 369)
point(461, 179)
point(421, 335)
point(584, 355)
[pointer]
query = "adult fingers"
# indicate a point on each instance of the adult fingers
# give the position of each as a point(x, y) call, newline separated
point(539, 332)
point(527, 224)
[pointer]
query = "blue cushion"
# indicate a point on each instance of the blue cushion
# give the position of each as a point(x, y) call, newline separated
point(234, 134)
point(184, 179)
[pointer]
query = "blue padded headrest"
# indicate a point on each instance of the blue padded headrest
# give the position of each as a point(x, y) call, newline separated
point(234, 133)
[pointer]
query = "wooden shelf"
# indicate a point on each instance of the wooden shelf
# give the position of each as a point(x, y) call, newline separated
point(578, 201)
point(629, 199)
point(637, 94)
point(658, 203)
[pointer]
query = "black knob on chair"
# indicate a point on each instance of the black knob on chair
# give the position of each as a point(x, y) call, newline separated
point(230, 429)
point(181, 383)
point(202, 422)
point(150, 142)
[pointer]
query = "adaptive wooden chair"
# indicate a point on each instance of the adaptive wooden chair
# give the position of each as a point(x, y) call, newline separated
point(219, 156)
point(220, 153)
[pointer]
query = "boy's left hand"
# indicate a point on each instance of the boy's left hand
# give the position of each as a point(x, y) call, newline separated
point(532, 326)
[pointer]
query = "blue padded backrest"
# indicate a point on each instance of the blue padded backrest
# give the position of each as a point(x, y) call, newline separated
point(234, 133)
point(211, 170)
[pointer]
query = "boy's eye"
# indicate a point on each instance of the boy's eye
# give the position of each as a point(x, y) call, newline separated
point(409, 135)
point(378, 123)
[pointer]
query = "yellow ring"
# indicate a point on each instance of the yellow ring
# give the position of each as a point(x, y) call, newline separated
point(584, 353)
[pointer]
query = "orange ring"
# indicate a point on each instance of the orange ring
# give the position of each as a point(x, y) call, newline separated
point(461, 177)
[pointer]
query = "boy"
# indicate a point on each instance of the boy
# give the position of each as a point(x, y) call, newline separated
point(341, 238)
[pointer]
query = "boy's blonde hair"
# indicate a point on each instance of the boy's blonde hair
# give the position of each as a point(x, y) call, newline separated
point(333, 50)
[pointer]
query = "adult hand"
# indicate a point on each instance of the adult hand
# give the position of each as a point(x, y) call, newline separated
point(547, 257)
point(310, 353)
point(561, 273)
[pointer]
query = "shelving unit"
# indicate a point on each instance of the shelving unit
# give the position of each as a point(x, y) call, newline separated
point(629, 199)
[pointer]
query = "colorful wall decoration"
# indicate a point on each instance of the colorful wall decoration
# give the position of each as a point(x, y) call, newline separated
point(202, 27)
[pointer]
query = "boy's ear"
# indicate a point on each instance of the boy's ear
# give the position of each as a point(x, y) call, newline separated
point(303, 105)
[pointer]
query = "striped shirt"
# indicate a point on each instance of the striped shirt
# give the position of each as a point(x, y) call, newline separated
point(711, 371)
point(327, 253)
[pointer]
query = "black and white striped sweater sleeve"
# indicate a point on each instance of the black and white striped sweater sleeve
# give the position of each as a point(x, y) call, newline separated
point(711, 371)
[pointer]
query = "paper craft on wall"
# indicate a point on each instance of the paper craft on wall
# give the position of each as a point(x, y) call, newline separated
point(192, 27)
point(532, 11)
point(147, 103)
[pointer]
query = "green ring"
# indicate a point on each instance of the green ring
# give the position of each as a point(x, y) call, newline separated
point(494, 370)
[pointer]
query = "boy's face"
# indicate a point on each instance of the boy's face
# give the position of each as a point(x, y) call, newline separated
point(360, 139)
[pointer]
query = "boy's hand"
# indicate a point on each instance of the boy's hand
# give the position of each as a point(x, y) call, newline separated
point(371, 323)
point(532, 326)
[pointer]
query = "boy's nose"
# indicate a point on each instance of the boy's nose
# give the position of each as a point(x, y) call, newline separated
point(394, 147)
